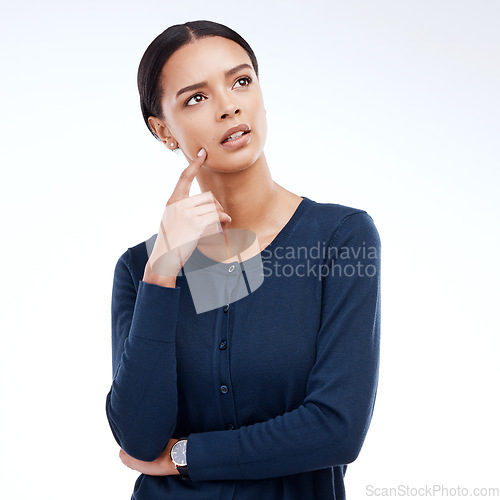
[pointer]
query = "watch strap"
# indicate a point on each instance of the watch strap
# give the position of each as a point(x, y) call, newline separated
point(183, 471)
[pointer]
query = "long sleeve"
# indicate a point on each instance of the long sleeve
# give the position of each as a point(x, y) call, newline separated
point(330, 426)
point(141, 405)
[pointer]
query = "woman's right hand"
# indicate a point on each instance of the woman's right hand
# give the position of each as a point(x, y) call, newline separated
point(185, 220)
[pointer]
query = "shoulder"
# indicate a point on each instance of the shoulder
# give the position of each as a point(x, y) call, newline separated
point(134, 258)
point(334, 219)
point(332, 211)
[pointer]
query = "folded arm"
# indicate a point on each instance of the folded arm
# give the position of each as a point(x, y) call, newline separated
point(141, 405)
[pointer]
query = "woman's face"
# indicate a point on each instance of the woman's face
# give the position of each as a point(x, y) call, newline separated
point(227, 94)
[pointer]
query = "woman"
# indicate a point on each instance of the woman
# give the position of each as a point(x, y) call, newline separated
point(246, 333)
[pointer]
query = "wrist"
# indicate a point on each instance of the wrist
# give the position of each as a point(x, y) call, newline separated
point(167, 283)
point(155, 279)
point(178, 455)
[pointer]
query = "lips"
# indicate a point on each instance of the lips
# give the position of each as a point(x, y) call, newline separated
point(240, 128)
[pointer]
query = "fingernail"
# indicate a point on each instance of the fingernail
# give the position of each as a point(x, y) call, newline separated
point(201, 151)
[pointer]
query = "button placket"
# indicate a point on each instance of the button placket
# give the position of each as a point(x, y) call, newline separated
point(224, 325)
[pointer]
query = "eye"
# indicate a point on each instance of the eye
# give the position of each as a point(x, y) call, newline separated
point(244, 79)
point(193, 97)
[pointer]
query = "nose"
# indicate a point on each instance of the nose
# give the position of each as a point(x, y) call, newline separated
point(228, 107)
point(236, 111)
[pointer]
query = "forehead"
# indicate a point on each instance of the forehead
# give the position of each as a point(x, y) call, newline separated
point(201, 60)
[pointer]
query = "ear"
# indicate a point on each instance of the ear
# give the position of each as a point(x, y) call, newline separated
point(160, 129)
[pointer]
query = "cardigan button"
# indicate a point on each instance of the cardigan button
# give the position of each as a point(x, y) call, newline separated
point(223, 345)
point(224, 389)
point(231, 269)
point(226, 308)
point(229, 427)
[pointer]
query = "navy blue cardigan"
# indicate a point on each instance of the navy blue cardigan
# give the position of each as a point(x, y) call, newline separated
point(275, 390)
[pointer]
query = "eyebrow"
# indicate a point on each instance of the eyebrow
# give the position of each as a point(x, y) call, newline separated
point(196, 86)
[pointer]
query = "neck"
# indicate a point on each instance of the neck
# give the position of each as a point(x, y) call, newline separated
point(248, 195)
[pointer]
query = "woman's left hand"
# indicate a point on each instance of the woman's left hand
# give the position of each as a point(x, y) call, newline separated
point(162, 466)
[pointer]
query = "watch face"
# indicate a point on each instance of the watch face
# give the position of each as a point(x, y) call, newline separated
point(178, 453)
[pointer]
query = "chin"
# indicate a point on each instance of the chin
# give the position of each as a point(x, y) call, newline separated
point(233, 161)
point(229, 167)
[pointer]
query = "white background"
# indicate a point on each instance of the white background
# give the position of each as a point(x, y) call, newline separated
point(389, 106)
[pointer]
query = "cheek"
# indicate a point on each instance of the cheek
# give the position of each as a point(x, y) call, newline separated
point(191, 135)
point(258, 106)
point(261, 120)
point(196, 133)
